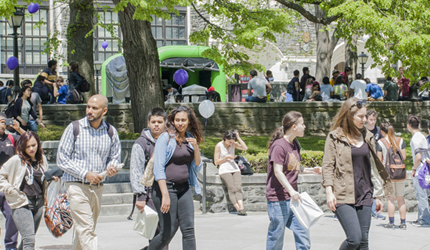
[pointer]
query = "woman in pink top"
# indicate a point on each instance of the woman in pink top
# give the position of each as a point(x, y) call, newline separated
point(228, 169)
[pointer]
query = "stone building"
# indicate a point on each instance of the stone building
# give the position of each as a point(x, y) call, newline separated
point(291, 51)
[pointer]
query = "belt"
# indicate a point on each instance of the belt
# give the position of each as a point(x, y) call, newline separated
point(172, 184)
point(35, 197)
point(100, 184)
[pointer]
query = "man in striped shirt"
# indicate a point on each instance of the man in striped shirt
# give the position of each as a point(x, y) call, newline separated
point(95, 149)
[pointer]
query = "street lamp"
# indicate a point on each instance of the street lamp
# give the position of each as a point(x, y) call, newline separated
point(362, 58)
point(97, 67)
point(15, 22)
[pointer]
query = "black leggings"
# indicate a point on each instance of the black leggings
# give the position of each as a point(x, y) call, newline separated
point(355, 221)
point(181, 212)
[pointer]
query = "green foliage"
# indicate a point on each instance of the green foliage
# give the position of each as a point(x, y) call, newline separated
point(398, 30)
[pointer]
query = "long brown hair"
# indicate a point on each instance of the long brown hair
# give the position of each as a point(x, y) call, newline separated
point(344, 118)
point(21, 145)
point(195, 127)
point(389, 130)
point(288, 121)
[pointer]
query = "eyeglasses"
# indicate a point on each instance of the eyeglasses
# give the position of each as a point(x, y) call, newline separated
point(359, 104)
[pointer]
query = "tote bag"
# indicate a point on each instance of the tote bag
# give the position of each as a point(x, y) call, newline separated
point(146, 223)
point(306, 211)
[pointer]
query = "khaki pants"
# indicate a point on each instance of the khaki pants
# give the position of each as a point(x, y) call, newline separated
point(85, 203)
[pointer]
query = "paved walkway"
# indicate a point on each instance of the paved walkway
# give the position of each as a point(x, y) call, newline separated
point(229, 231)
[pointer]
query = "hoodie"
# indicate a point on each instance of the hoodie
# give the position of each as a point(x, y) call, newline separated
point(138, 163)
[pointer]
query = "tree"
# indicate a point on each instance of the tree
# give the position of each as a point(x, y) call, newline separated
point(80, 38)
point(141, 54)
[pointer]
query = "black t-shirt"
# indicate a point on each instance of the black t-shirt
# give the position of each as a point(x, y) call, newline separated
point(362, 175)
point(293, 82)
point(376, 131)
point(4, 94)
point(42, 90)
point(177, 167)
point(6, 148)
point(303, 83)
point(36, 188)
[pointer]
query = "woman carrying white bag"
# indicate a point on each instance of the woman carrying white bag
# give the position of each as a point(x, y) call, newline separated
point(282, 174)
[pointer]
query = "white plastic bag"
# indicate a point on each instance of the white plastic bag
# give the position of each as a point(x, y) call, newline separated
point(54, 189)
point(306, 211)
point(146, 223)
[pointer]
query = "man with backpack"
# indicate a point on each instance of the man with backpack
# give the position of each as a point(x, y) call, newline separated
point(7, 150)
point(141, 153)
point(418, 145)
point(88, 148)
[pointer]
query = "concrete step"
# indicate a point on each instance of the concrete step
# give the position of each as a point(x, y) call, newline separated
point(112, 199)
point(117, 188)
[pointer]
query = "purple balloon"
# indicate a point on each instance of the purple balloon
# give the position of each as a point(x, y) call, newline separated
point(105, 44)
point(180, 76)
point(12, 62)
point(33, 8)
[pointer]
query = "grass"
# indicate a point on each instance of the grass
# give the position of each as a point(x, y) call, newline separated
point(256, 154)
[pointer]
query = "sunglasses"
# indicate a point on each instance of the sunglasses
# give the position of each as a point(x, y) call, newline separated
point(359, 104)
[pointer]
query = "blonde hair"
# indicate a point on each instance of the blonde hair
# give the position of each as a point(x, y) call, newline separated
point(344, 118)
point(59, 79)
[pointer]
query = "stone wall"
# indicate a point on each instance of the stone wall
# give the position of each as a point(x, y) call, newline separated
point(254, 192)
point(251, 118)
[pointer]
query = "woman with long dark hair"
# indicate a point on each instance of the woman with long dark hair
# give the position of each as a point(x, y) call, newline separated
point(176, 164)
point(23, 108)
point(353, 175)
point(281, 186)
point(229, 171)
point(391, 140)
point(22, 180)
point(340, 89)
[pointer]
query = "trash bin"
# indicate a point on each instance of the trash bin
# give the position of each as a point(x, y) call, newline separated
point(235, 92)
point(193, 90)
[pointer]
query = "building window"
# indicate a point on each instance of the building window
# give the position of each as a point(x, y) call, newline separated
point(102, 34)
point(170, 32)
point(33, 36)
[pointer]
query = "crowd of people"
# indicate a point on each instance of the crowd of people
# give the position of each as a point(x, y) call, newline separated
point(341, 87)
point(356, 152)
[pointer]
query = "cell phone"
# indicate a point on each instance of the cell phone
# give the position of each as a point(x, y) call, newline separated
point(9, 121)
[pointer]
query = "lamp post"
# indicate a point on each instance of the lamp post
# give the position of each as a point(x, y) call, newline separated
point(97, 67)
point(15, 22)
point(362, 58)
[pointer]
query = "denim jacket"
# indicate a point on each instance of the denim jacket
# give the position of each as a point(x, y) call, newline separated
point(163, 152)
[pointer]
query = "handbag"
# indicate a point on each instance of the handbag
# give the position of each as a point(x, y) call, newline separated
point(146, 223)
point(148, 175)
point(57, 216)
point(244, 165)
point(306, 211)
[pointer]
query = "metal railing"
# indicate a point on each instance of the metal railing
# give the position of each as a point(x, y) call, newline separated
point(205, 162)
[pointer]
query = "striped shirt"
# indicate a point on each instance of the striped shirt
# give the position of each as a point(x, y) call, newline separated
point(93, 151)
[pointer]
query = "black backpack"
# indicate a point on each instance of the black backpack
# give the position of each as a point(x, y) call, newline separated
point(394, 162)
point(73, 97)
point(9, 110)
point(84, 85)
point(291, 87)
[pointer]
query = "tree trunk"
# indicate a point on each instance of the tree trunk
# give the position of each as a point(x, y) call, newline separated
point(143, 66)
point(325, 46)
point(80, 48)
point(351, 59)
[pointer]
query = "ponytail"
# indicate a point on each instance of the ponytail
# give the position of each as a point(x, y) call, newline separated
point(278, 134)
point(389, 130)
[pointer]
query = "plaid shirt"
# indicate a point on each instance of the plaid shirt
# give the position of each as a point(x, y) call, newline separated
point(93, 151)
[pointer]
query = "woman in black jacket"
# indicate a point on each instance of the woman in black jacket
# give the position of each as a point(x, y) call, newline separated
point(23, 108)
point(43, 90)
point(74, 77)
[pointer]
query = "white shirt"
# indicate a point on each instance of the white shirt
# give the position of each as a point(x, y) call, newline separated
point(229, 166)
point(359, 87)
point(418, 141)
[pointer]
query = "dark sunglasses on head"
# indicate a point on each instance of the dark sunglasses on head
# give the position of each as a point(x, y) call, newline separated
point(359, 104)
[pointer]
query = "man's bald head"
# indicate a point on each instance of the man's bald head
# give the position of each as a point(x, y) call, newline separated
point(100, 100)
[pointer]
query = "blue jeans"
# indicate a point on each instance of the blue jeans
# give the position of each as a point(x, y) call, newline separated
point(255, 99)
point(32, 125)
point(422, 196)
point(282, 216)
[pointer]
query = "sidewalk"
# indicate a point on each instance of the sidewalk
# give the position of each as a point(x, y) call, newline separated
point(229, 231)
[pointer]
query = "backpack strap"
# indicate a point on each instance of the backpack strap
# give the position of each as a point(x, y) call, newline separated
point(11, 139)
point(385, 142)
point(75, 130)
